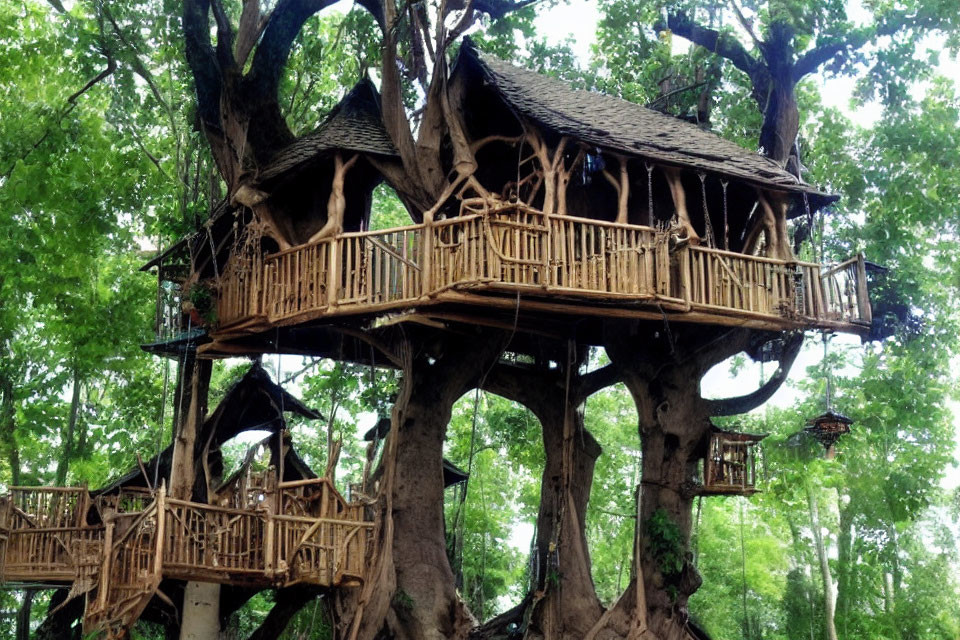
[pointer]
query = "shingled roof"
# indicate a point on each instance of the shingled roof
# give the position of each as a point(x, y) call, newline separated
point(621, 126)
point(355, 124)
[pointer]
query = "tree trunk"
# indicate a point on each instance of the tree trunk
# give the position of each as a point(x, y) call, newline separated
point(829, 602)
point(201, 612)
point(23, 615)
point(66, 452)
point(567, 606)
point(662, 370)
point(845, 564)
point(411, 593)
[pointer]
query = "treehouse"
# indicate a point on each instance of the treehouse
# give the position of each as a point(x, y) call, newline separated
point(730, 466)
point(271, 523)
point(569, 205)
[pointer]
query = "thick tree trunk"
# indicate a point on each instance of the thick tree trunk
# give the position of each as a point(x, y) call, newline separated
point(565, 603)
point(411, 593)
point(201, 611)
point(200, 616)
point(662, 371)
point(562, 602)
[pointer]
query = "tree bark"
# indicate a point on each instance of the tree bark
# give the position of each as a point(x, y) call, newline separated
point(201, 611)
point(23, 615)
point(564, 601)
point(662, 370)
point(411, 593)
point(200, 616)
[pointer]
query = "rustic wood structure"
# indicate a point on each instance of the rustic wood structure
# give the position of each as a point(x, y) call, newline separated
point(539, 211)
point(579, 205)
point(730, 466)
point(115, 549)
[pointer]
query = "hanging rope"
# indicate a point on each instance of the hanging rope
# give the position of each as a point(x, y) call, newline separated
point(213, 254)
point(828, 392)
point(649, 193)
point(810, 224)
point(708, 225)
point(726, 220)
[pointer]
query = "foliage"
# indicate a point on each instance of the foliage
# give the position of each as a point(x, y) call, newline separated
point(92, 183)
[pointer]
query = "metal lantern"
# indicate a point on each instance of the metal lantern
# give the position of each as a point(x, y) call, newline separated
point(828, 428)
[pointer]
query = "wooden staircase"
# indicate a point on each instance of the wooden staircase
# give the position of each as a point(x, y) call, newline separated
point(114, 550)
point(131, 570)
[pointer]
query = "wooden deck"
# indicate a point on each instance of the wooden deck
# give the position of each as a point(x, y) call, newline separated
point(116, 549)
point(554, 262)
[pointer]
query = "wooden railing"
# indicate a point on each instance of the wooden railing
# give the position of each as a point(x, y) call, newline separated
point(845, 297)
point(372, 269)
point(44, 532)
point(519, 249)
point(301, 532)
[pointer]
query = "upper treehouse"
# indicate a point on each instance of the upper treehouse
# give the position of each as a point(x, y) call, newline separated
point(580, 206)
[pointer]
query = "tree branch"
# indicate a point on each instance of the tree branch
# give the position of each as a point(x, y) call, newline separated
point(203, 61)
point(750, 401)
point(811, 60)
point(598, 380)
point(224, 36)
point(282, 28)
point(497, 9)
point(722, 45)
point(288, 602)
point(72, 102)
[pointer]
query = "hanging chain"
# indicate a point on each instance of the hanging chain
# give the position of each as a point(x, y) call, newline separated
point(708, 226)
point(806, 208)
point(828, 391)
point(726, 220)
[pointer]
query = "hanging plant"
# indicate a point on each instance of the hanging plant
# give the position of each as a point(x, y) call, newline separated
point(200, 303)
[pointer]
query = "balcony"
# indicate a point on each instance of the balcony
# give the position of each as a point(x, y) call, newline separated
point(555, 263)
point(116, 549)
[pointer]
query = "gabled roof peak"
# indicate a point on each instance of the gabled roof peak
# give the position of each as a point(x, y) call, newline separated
point(624, 127)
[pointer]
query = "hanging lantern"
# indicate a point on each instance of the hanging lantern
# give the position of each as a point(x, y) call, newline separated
point(827, 429)
point(730, 466)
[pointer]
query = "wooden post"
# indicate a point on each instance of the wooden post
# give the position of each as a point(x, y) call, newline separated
point(161, 505)
point(863, 296)
point(333, 271)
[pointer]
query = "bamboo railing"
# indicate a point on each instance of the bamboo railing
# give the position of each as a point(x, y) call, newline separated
point(44, 530)
point(300, 532)
point(518, 249)
point(116, 549)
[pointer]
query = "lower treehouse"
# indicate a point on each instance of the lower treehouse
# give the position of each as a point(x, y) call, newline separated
point(114, 548)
